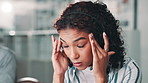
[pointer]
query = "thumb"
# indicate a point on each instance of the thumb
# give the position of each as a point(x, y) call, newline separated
point(111, 53)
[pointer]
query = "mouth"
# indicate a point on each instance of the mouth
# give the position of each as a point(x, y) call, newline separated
point(77, 64)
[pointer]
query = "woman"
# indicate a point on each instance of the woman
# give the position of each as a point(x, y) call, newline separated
point(90, 47)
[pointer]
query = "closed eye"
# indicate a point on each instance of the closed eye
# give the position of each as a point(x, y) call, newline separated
point(81, 46)
point(65, 46)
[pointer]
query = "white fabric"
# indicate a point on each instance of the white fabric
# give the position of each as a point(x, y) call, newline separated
point(129, 73)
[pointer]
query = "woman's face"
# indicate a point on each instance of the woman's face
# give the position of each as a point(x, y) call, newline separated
point(77, 47)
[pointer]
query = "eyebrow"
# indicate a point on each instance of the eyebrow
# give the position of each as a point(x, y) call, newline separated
point(80, 38)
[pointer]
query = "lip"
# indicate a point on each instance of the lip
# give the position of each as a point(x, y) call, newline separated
point(77, 64)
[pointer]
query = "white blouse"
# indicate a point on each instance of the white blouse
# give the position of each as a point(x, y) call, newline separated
point(129, 73)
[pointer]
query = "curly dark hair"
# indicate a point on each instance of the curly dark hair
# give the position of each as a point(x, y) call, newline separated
point(95, 18)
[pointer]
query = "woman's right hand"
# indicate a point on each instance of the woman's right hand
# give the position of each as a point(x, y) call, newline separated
point(59, 59)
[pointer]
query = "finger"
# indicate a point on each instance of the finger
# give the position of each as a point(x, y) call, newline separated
point(106, 42)
point(99, 49)
point(53, 40)
point(54, 53)
point(55, 46)
point(59, 45)
point(94, 52)
point(111, 53)
point(100, 52)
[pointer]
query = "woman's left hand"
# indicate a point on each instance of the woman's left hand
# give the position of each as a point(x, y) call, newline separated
point(100, 58)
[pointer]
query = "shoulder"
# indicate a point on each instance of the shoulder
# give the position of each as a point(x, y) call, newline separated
point(130, 72)
point(131, 63)
point(128, 63)
point(133, 69)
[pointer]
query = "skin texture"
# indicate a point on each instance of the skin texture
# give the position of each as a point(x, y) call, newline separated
point(94, 17)
point(82, 50)
point(77, 47)
point(88, 23)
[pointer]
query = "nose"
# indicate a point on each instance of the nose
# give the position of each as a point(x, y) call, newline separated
point(74, 54)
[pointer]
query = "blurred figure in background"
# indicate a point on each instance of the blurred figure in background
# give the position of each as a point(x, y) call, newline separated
point(7, 65)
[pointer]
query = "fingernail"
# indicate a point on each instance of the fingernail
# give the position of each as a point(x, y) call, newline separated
point(104, 33)
point(91, 35)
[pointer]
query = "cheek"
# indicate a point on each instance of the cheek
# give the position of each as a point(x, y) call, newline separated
point(86, 52)
point(67, 52)
point(88, 49)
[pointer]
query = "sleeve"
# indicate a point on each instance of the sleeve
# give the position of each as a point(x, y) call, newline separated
point(7, 67)
point(133, 73)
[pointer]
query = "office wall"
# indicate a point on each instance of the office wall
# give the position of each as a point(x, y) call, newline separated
point(143, 27)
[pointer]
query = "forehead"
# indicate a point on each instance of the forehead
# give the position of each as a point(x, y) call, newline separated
point(72, 34)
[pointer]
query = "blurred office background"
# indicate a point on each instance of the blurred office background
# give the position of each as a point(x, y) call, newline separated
point(26, 27)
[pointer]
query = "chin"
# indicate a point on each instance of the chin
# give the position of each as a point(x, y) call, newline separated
point(81, 68)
